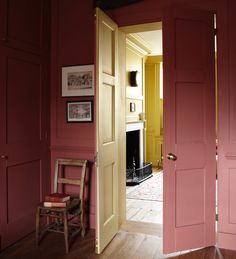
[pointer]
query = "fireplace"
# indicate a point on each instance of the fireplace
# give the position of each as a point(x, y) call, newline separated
point(133, 149)
point(136, 169)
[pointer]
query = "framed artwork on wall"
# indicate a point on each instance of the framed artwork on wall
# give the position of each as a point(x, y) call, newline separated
point(78, 80)
point(81, 111)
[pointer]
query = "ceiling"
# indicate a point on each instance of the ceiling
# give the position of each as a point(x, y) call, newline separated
point(152, 40)
point(111, 4)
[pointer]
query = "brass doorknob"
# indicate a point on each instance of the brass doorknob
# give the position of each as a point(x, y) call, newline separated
point(172, 157)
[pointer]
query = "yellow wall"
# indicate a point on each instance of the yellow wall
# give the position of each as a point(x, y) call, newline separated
point(154, 110)
point(135, 61)
point(146, 97)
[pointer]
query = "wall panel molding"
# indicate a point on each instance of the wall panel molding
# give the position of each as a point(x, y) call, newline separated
point(83, 149)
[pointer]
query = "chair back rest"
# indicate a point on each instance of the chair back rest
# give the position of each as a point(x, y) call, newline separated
point(60, 163)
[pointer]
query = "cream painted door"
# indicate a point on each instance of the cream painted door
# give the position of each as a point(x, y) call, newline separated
point(189, 126)
point(106, 135)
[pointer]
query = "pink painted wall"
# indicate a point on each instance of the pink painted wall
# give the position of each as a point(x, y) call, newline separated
point(72, 43)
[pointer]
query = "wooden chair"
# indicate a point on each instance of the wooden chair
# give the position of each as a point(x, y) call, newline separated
point(73, 218)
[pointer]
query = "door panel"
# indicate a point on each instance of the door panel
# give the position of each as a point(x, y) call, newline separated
point(184, 198)
point(20, 213)
point(107, 128)
point(23, 143)
point(106, 92)
point(18, 187)
point(24, 116)
point(23, 24)
point(189, 126)
point(23, 101)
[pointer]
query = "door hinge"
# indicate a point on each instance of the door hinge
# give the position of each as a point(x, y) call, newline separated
point(215, 32)
point(217, 217)
point(96, 245)
point(96, 160)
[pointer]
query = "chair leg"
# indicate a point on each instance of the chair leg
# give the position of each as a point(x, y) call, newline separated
point(66, 231)
point(83, 225)
point(37, 231)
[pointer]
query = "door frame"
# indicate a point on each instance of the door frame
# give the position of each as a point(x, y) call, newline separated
point(122, 122)
point(122, 179)
point(121, 187)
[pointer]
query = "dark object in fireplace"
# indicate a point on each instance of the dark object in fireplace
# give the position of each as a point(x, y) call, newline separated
point(136, 170)
point(137, 175)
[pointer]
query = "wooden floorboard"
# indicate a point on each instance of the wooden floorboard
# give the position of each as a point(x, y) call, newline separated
point(143, 210)
point(127, 244)
point(143, 227)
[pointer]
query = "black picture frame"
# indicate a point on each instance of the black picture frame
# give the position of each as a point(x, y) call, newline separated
point(79, 111)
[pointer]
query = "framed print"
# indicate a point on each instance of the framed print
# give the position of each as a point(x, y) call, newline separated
point(78, 80)
point(81, 111)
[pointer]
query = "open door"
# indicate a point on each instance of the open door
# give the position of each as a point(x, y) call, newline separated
point(189, 125)
point(106, 122)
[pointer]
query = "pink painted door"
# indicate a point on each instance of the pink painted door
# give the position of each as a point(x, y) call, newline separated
point(24, 117)
point(189, 126)
point(227, 127)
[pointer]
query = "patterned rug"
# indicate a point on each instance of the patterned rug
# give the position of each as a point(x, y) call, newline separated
point(151, 189)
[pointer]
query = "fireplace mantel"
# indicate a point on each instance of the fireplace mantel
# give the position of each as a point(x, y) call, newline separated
point(131, 126)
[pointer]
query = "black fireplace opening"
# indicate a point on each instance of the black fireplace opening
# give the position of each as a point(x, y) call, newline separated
point(136, 170)
point(132, 149)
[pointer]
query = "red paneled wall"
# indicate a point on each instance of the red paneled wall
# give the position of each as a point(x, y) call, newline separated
point(72, 43)
point(24, 114)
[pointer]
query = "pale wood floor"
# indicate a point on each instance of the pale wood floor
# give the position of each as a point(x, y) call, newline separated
point(144, 210)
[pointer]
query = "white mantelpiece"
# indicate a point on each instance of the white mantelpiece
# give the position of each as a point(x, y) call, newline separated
point(131, 126)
